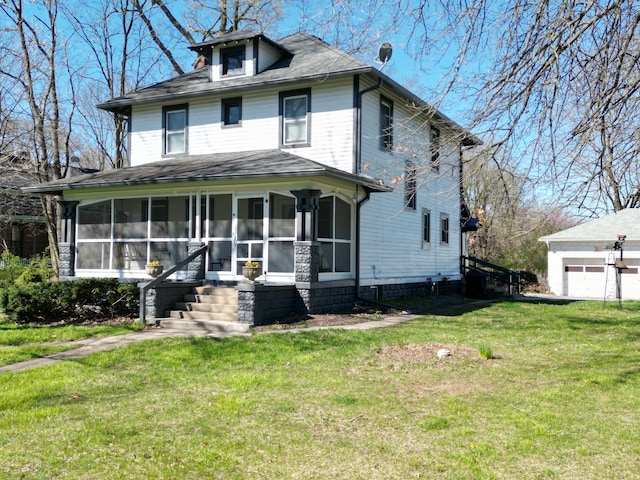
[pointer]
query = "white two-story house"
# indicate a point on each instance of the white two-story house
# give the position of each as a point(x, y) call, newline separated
point(338, 181)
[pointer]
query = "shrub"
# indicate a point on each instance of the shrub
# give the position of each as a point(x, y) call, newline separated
point(18, 271)
point(76, 300)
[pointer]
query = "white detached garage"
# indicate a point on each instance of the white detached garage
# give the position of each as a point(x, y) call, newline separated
point(582, 261)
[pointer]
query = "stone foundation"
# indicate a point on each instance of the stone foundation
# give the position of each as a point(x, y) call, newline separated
point(376, 293)
point(164, 297)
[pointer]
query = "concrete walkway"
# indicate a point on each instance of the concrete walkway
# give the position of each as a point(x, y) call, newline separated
point(103, 344)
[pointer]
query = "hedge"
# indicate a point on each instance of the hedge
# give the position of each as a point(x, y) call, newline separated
point(74, 300)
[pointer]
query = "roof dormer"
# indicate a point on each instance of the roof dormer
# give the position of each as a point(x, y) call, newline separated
point(244, 52)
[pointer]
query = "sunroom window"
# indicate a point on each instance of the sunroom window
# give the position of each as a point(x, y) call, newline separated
point(334, 234)
point(282, 231)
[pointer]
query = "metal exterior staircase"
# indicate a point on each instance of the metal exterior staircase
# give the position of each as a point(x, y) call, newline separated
point(510, 280)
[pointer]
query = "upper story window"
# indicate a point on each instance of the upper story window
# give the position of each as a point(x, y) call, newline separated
point(232, 111)
point(444, 228)
point(410, 185)
point(232, 60)
point(174, 126)
point(295, 114)
point(435, 148)
point(386, 124)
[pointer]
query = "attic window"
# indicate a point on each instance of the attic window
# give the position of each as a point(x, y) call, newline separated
point(232, 60)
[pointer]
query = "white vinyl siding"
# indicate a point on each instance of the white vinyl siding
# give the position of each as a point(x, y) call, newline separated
point(392, 246)
point(331, 126)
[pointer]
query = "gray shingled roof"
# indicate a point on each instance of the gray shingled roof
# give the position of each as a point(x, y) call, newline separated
point(604, 229)
point(310, 58)
point(223, 166)
point(246, 33)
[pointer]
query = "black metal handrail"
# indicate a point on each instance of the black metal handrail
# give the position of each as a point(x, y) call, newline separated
point(511, 278)
point(163, 276)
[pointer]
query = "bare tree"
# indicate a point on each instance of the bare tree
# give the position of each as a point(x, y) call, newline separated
point(511, 219)
point(37, 63)
point(208, 18)
point(554, 83)
point(120, 60)
point(562, 87)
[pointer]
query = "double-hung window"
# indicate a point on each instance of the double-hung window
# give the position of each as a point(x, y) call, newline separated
point(295, 114)
point(426, 229)
point(174, 125)
point(232, 60)
point(386, 124)
point(232, 111)
point(444, 228)
point(435, 148)
point(410, 185)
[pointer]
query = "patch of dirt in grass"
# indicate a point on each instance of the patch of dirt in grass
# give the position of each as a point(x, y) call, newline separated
point(405, 358)
point(319, 320)
point(360, 314)
point(426, 353)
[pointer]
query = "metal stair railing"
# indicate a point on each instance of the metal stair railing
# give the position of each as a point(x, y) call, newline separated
point(145, 287)
point(511, 278)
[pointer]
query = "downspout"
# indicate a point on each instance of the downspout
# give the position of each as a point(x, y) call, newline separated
point(463, 252)
point(357, 160)
point(358, 206)
point(357, 157)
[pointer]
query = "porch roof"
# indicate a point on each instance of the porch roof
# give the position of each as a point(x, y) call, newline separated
point(253, 165)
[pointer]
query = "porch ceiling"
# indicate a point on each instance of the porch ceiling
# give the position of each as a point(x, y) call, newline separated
point(263, 164)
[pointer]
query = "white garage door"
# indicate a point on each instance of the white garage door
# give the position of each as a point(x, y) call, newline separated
point(587, 281)
point(599, 281)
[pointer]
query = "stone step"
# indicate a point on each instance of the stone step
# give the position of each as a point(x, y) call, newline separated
point(215, 299)
point(208, 325)
point(207, 307)
point(195, 315)
point(212, 290)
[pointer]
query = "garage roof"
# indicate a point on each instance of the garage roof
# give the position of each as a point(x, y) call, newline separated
point(604, 229)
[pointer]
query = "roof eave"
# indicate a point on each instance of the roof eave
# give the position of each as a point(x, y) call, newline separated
point(116, 105)
point(58, 189)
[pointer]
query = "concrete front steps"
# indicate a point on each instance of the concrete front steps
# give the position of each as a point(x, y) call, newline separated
point(209, 307)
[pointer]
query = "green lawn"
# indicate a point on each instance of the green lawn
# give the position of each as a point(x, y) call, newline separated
point(19, 342)
point(559, 399)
